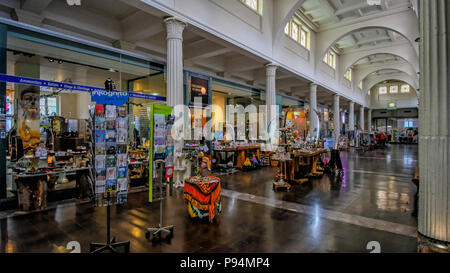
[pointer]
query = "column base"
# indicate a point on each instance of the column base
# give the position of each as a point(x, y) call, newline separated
point(428, 245)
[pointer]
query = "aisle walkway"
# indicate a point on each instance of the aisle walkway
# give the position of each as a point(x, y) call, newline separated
point(373, 203)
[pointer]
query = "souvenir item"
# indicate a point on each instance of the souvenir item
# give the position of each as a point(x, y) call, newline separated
point(110, 112)
point(110, 161)
point(100, 161)
point(111, 173)
point(122, 160)
point(122, 184)
point(100, 186)
point(111, 186)
point(122, 172)
point(99, 110)
point(111, 125)
point(99, 136)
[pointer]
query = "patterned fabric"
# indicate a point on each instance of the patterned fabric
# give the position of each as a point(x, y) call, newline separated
point(204, 196)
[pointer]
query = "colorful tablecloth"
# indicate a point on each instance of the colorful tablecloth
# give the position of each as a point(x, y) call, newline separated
point(202, 196)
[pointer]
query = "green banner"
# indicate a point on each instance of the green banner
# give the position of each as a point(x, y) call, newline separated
point(156, 111)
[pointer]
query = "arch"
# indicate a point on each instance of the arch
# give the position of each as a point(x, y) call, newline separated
point(282, 13)
point(402, 66)
point(372, 81)
point(407, 54)
point(409, 28)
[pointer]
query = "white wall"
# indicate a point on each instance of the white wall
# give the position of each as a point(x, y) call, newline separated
point(378, 101)
point(235, 23)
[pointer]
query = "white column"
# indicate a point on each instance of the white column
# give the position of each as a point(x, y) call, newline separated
point(337, 120)
point(313, 118)
point(361, 118)
point(434, 121)
point(369, 120)
point(271, 98)
point(351, 117)
point(174, 80)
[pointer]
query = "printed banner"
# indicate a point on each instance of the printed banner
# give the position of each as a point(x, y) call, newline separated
point(76, 87)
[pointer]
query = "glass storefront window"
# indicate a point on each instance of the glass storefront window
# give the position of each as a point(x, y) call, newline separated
point(43, 57)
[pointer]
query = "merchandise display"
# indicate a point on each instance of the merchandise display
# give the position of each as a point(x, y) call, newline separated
point(202, 196)
point(111, 158)
point(161, 146)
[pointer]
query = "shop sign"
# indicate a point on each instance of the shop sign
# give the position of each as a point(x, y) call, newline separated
point(198, 88)
point(391, 105)
point(114, 98)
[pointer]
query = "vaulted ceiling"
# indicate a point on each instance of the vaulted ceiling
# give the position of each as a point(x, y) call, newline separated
point(329, 12)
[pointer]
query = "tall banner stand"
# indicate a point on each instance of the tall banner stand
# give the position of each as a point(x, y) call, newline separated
point(161, 160)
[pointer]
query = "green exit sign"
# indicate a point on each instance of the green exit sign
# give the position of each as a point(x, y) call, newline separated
point(391, 106)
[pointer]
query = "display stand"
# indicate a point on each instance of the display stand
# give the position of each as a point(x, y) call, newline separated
point(110, 244)
point(157, 231)
point(161, 152)
point(281, 157)
point(110, 157)
point(179, 169)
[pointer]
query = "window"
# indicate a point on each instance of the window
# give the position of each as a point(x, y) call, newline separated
point(255, 5)
point(330, 59)
point(48, 106)
point(382, 90)
point(294, 30)
point(405, 88)
point(393, 89)
point(348, 74)
point(360, 86)
point(297, 31)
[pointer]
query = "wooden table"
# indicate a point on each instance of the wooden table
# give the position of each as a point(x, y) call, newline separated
point(310, 162)
point(242, 154)
point(226, 151)
point(33, 188)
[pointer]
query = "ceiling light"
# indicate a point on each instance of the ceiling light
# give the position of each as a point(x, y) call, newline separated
point(51, 60)
point(60, 61)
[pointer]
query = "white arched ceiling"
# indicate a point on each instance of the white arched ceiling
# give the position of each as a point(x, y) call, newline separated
point(405, 52)
point(404, 23)
point(401, 65)
point(370, 82)
point(282, 13)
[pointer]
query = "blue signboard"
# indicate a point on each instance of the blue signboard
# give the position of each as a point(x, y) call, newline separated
point(104, 97)
point(145, 96)
point(98, 94)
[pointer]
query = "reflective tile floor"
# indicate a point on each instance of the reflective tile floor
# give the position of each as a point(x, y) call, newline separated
point(373, 203)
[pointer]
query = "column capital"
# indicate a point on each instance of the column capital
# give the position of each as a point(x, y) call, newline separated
point(271, 69)
point(352, 103)
point(336, 98)
point(313, 85)
point(174, 28)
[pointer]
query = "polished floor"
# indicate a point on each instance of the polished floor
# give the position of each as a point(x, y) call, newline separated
point(373, 202)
